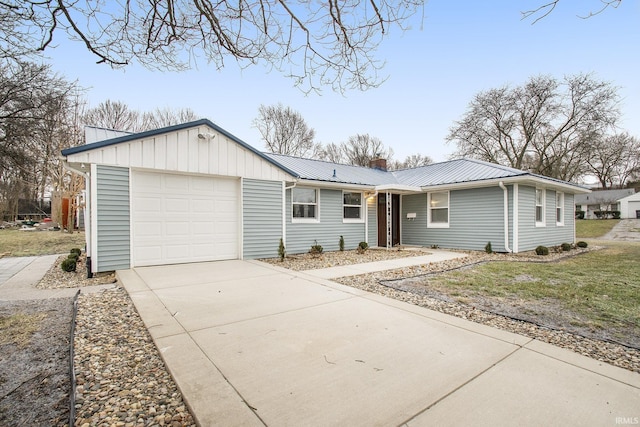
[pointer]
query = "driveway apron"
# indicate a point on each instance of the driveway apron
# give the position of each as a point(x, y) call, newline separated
point(253, 344)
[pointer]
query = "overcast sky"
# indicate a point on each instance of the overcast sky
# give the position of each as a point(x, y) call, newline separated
point(463, 47)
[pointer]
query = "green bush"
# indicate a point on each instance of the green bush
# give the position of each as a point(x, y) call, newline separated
point(74, 256)
point(76, 251)
point(341, 244)
point(362, 247)
point(316, 249)
point(487, 248)
point(542, 250)
point(281, 251)
point(582, 244)
point(566, 247)
point(580, 214)
point(68, 265)
point(615, 214)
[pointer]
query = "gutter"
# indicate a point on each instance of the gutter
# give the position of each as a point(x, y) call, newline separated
point(506, 216)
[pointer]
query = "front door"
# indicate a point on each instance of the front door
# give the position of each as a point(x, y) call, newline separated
point(382, 219)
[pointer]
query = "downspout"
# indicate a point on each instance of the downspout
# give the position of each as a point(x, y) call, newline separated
point(506, 216)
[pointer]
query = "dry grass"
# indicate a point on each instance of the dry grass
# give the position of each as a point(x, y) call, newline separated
point(29, 243)
point(592, 228)
point(19, 328)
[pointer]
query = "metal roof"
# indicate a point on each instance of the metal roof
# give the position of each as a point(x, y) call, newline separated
point(94, 134)
point(319, 170)
point(455, 171)
point(603, 196)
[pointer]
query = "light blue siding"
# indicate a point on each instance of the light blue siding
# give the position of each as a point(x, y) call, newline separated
point(475, 218)
point(551, 234)
point(372, 212)
point(262, 218)
point(327, 232)
point(113, 226)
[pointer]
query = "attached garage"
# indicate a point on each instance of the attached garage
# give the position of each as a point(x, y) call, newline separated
point(179, 218)
point(176, 195)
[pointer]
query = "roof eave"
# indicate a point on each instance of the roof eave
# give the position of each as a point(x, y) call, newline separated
point(519, 179)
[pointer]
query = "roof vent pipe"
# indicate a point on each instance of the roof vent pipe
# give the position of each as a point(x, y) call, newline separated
point(506, 216)
point(334, 173)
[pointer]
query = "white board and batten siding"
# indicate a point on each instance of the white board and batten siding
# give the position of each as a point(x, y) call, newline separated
point(183, 151)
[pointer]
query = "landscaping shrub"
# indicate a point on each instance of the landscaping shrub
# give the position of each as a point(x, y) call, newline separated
point(74, 256)
point(580, 214)
point(316, 249)
point(542, 250)
point(582, 244)
point(68, 265)
point(341, 244)
point(487, 248)
point(566, 247)
point(362, 247)
point(615, 214)
point(281, 251)
point(76, 251)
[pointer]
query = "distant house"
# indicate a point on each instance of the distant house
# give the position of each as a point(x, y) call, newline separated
point(601, 201)
point(630, 206)
point(194, 192)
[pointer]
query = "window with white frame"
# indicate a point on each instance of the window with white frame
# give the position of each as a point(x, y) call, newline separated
point(559, 208)
point(540, 196)
point(438, 209)
point(305, 203)
point(352, 206)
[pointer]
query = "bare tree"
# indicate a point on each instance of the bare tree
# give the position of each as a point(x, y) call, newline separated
point(315, 43)
point(360, 149)
point(284, 131)
point(615, 160)
point(114, 115)
point(163, 117)
point(411, 161)
point(547, 8)
point(33, 105)
point(331, 152)
point(543, 126)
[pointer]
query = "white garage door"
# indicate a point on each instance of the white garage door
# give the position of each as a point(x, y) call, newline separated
point(183, 218)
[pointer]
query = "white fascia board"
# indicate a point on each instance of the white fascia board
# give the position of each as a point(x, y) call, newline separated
point(398, 188)
point(525, 180)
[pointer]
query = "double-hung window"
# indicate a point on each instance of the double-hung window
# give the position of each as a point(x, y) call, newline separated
point(540, 196)
point(352, 207)
point(559, 208)
point(305, 204)
point(438, 209)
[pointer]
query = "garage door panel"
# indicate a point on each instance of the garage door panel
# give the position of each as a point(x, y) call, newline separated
point(183, 218)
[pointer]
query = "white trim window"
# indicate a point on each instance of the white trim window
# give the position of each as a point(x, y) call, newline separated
point(438, 209)
point(559, 208)
point(352, 206)
point(540, 207)
point(305, 204)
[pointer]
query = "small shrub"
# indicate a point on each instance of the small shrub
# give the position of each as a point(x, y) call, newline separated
point(582, 244)
point(74, 256)
point(487, 248)
point(566, 247)
point(68, 265)
point(76, 251)
point(281, 251)
point(362, 247)
point(580, 214)
point(435, 247)
point(542, 250)
point(615, 214)
point(316, 249)
point(341, 244)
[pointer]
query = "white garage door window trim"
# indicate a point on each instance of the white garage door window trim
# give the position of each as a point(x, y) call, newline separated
point(182, 218)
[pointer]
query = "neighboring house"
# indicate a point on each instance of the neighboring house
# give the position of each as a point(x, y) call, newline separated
point(630, 206)
point(601, 201)
point(194, 192)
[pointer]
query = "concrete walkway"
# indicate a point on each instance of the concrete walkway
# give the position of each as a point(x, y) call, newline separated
point(250, 344)
point(370, 267)
point(19, 275)
point(627, 230)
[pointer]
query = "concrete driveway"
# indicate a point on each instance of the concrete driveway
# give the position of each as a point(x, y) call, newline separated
point(252, 344)
point(627, 230)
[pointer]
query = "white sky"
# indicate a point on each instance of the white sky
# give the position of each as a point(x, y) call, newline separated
point(433, 73)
